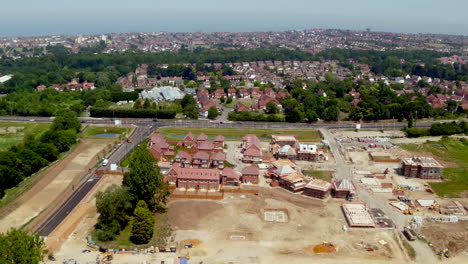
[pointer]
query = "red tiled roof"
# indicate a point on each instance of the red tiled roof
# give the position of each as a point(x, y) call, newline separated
point(201, 155)
point(196, 174)
point(219, 138)
point(202, 136)
point(218, 156)
point(251, 170)
point(184, 155)
point(230, 173)
point(252, 151)
point(206, 145)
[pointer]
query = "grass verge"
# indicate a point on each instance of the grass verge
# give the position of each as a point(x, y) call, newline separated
point(92, 131)
point(12, 133)
point(233, 134)
point(323, 175)
point(409, 249)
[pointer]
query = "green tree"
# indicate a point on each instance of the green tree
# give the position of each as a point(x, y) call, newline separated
point(113, 204)
point(213, 113)
point(187, 100)
point(142, 224)
point(65, 120)
point(191, 111)
point(138, 104)
point(222, 99)
point(331, 113)
point(294, 116)
point(144, 180)
point(312, 115)
point(147, 104)
point(271, 108)
point(229, 100)
point(17, 246)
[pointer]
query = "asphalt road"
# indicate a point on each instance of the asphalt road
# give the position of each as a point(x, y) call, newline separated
point(48, 226)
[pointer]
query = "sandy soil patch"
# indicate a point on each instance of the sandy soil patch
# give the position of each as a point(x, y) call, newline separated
point(54, 186)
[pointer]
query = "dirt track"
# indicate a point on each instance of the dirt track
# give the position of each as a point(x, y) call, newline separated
point(53, 187)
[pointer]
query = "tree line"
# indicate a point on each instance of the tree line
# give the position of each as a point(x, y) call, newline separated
point(142, 193)
point(35, 153)
point(439, 129)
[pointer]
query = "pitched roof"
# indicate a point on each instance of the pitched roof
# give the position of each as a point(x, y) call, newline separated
point(202, 137)
point(184, 155)
point(285, 170)
point(206, 145)
point(251, 170)
point(201, 155)
point(317, 184)
point(189, 136)
point(252, 151)
point(230, 173)
point(196, 174)
point(344, 185)
point(283, 162)
point(218, 156)
point(219, 138)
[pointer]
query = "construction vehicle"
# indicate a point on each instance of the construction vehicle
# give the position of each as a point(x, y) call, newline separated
point(408, 212)
point(107, 257)
point(409, 235)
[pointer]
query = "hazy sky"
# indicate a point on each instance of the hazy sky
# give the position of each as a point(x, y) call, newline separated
point(40, 17)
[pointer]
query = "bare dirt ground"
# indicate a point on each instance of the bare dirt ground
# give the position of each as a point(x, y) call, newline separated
point(369, 133)
point(69, 239)
point(53, 187)
point(453, 236)
point(233, 231)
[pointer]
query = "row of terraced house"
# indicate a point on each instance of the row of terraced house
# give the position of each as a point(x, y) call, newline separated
point(196, 163)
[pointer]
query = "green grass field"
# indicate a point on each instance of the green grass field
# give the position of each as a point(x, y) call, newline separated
point(453, 152)
point(323, 175)
point(232, 134)
point(12, 133)
point(91, 131)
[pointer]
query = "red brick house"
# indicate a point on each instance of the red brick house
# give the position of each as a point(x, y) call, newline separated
point(219, 93)
point(232, 93)
point(159, 147)
point(202, 138)
point(318, 188)
point(191, 179)
point(243, 93)
point(206, 146)
point(183, 159)
point(189, 140)
point(230, 177)
point(201, 159)
point(343, 189)
point(269, 92)
point(239, 107)
point(250, 174)
point(264, 100)
point(219, 141)
point(218, 160)
point(281, 95)
point(255, 93)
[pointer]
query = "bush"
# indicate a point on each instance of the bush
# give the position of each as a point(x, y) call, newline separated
point(417, 132)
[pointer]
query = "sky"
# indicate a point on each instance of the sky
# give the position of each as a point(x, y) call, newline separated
point(50, 17)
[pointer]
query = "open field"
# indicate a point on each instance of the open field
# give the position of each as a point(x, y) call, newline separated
point(237, 134)
point(91, 131)
point(53, 187)
point(454, 156)
point(233, 230)
point(12, 133)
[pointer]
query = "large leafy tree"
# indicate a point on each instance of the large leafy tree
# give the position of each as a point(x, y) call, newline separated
point(144, 180)
point(212, 112)
point(65, 120)
point(113, 207)
point(142, 224)
point(17, 246)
